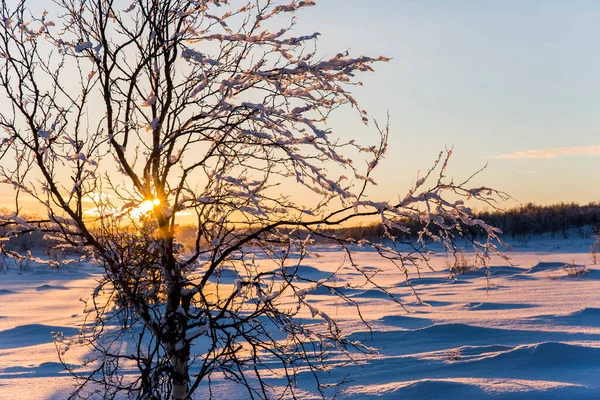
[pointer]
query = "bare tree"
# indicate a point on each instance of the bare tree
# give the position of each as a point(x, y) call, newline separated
point(121, 119)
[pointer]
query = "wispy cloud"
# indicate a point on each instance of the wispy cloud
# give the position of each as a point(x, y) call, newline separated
point(553, 153)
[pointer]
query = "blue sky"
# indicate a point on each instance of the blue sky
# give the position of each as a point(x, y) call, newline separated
point(512, 83)
point(490, 78)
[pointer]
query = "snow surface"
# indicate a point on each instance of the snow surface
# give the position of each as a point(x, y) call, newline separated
point(529, 332)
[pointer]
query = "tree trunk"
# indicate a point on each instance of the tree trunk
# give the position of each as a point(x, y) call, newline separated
point(181, 378)
point(177, 346)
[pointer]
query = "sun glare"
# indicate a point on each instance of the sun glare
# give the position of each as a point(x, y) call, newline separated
point(143, 208)
point(147, 206)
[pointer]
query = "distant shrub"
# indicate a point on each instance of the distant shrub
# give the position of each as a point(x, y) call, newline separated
point(594, 250)
point(453, 354)
point(462, 264)
point(574, 270)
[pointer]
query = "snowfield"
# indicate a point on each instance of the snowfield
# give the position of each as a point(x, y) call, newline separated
point(528, 331)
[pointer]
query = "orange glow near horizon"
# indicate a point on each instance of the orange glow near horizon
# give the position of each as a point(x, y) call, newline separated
point(145, 207)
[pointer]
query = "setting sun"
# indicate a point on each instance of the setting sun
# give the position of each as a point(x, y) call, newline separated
point(146, 206)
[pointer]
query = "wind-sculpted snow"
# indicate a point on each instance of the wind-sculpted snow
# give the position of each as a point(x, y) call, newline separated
point(431, 303)
point(545, 355)
point(587, 313)
point(496, 271)
point(46, 369)
point(588, 316)
point(403, 321)
point(30, 335)
point(372, 294)
point(51, 287)
point(306, 272)
point(545, 266)
point(516, 332)
point(496, 306)
point(434, 281)
point(501, 389)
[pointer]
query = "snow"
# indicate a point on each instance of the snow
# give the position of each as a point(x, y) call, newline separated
point(197, 331)
point(153, 124)
point(83, 46)
point(528, 331)
point(130, 8)
point(44, 134)
point(150, 100)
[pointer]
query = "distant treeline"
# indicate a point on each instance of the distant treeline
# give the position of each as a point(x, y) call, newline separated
point(562, 219)
point(522, 222)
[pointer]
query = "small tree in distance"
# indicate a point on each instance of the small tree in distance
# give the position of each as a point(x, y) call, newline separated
point(119, 119)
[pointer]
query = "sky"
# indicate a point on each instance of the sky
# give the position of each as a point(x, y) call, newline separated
point(511, 84)
point(514, 84)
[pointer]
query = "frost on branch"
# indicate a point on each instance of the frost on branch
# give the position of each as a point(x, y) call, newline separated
point(130, 121)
